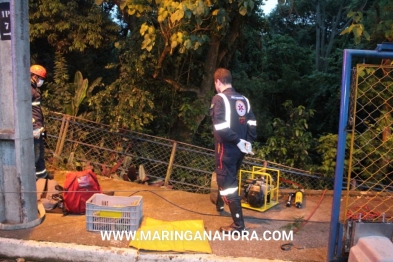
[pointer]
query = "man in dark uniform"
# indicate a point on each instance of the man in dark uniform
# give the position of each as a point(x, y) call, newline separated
point(234, 130)
point(37, 76)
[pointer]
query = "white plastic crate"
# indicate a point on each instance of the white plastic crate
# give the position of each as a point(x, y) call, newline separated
point(113, 213)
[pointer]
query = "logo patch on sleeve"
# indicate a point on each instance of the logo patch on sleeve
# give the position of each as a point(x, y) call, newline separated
point(211, 106)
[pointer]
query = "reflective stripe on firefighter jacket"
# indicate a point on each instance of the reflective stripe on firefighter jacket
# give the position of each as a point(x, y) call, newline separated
point(233, 118)
point(228, 191)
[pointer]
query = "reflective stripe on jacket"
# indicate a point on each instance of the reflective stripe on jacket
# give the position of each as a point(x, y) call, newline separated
point(232, 117)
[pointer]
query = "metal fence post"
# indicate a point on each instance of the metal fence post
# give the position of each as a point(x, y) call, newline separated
point(170, 164)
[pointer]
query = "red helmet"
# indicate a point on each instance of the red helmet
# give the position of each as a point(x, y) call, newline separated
point(38, 70)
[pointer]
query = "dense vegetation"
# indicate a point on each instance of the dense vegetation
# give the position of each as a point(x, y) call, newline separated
point(148, 65)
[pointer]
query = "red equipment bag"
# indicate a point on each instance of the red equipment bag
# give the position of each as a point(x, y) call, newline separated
point(79, 186)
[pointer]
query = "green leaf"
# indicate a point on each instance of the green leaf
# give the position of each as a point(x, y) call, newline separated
point(180, 37)
point(350, 14)
point(196, 45)
point(251, 4)
point(358, 17)
point(177, 16)
point(243, 10)
point(188, 44)
point(361, 72)
point(347, 30)
point(93, 85)
point(366, 35)
point(146, 43)
point(188, 14)
point(162, 16)
point(149, 48)
point(81, 86)
point(173, 37)
point(357, 31)
point(144, 28)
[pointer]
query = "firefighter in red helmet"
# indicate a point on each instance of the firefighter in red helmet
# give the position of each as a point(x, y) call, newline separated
point(37, 76)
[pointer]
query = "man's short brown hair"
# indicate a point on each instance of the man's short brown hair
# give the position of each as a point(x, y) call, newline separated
point(224, 75)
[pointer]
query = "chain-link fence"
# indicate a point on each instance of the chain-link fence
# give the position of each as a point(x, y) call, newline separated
point(370, 168)
point(74, 143)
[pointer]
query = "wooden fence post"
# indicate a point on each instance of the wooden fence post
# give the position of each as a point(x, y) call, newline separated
point(62, 135)
point(170, 165)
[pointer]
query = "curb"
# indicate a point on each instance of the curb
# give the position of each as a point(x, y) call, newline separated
point(50, 251)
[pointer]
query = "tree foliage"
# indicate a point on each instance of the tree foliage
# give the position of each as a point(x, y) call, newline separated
point(291, 140)
point(150, 65)
point(371, 22)
point(315, 23)
point(128, 102)
point(70, 25)
point(67, 37)
point(186, 42)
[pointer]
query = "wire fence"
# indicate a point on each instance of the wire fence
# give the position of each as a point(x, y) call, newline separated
point(74, 143)
point(370, 155)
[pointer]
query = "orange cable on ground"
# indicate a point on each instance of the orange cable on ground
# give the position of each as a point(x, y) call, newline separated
point(312, 213)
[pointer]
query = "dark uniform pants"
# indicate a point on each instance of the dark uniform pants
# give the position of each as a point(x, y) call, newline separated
point(39, 149)
point(228, 159)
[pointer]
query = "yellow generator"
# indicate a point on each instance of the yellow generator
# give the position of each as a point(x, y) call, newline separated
point(259, 188)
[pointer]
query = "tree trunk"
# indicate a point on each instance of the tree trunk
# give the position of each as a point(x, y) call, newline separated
point(318, 36)
point(214, 58)
point(210, 64)
point(325, 35)
point(333, 33)
point(225, 55)
point(180, 131)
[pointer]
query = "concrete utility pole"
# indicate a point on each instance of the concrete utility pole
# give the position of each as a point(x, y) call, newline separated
point(18, 202)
